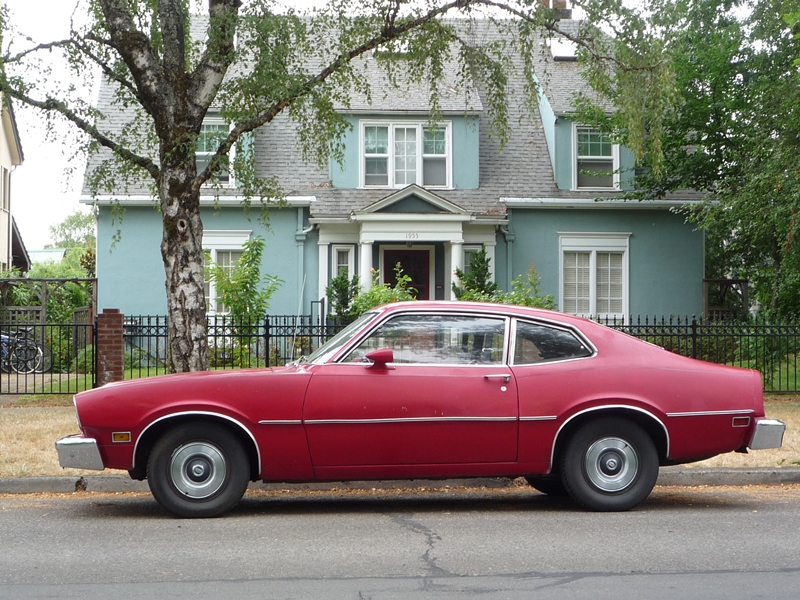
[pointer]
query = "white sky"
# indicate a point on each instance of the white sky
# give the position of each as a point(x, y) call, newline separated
point(41, 196)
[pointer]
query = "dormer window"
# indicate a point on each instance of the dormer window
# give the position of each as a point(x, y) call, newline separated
point(212, 132)
point(399, 154)
point(596, 160)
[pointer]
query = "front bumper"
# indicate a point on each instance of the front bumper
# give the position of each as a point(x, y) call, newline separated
point(767, 434)
point(78, 452)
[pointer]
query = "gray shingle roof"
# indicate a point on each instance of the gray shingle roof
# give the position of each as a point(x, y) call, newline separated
point(520, 169)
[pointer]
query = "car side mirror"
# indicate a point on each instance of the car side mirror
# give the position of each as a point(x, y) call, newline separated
point(380, 358)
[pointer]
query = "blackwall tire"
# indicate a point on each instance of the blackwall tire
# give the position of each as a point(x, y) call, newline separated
point(198, 470)
point(610, 464)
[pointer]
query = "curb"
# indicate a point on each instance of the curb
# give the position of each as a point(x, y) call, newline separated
point(668, 476)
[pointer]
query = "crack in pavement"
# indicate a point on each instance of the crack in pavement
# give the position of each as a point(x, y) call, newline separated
point(431, 537)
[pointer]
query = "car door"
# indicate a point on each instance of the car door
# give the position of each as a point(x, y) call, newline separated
point(447, 398)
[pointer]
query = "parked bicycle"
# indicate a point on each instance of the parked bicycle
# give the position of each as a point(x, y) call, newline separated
point(20, 353)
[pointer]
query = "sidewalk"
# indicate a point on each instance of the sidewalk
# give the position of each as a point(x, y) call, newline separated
point(668, 476)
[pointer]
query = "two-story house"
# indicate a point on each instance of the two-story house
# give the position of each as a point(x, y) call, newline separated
point(427, 196)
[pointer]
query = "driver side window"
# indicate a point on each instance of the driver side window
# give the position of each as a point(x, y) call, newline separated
point(437, 339)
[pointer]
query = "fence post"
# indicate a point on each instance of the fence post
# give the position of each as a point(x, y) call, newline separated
point(694, 336)
point(110, 346)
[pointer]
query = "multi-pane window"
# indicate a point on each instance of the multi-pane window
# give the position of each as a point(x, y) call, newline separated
point(223, 247)
point(594, 274)
point(212, 132)
point(396, 155)
point(342, 261)
point(595, 163)
point(226, 259)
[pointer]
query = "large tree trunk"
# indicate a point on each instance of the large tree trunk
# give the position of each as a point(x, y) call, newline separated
point(182, 253)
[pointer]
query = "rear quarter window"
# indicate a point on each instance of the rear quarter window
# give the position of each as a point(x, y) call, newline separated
point(537, 343)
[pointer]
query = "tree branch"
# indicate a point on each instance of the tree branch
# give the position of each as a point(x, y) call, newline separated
point(57, 106)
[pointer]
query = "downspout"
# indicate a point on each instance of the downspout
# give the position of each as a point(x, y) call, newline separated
point(510, 239)
point(300, 242)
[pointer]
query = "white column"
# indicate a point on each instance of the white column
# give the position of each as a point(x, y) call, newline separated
point(456, 262)
point(365, 265)
point(323, 270)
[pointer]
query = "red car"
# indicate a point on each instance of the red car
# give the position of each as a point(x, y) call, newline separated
point(429, 390)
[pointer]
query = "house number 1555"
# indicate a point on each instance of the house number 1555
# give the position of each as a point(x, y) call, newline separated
point(412, 236)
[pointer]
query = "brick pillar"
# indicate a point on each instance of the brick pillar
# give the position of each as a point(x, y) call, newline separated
point(110, 346)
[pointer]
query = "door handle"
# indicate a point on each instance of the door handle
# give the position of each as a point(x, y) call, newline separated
point(504, 376)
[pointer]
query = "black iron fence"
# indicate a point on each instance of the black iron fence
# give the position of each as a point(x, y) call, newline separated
point(47, 358)
point(59, 359)
point(232, 344)
point(770, 346)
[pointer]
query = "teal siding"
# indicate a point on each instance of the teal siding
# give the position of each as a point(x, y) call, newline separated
point(466, 155)
point(665, 254)
point(131, 274)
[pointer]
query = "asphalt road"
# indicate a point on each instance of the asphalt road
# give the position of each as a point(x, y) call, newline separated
point(709, 543)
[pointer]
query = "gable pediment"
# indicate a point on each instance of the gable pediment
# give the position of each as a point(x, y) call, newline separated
point(413, 200)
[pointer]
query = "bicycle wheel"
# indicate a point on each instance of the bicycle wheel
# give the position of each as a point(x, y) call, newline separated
point(47, 359)
point(25, 357)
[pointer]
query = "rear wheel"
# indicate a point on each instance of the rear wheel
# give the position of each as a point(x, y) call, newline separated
point(198, 470)
point(609, 465)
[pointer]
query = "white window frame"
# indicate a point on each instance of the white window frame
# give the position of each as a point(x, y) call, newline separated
point(213, 119)
point(594, 242)
point(221, 240)
point(615, 160)
point(420, 127)
point(351, 265)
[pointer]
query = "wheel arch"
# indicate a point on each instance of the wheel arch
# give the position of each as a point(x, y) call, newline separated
point(152, 432)
point(652, 425)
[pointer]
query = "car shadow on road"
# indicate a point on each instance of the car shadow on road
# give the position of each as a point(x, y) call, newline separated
point(462, 500)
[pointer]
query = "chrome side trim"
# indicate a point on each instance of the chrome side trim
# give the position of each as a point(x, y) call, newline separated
point(542, 418)
point(406, 420)
point(281, 422)
point(711, 413)
point(78, 452)
point(205, 414)
point(607, 407)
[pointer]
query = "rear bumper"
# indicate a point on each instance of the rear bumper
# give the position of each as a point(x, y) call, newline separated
point(768, 433)
point(79, 452)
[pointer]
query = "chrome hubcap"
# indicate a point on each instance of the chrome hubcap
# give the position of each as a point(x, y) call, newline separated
point(611, 464)
point(198, 470)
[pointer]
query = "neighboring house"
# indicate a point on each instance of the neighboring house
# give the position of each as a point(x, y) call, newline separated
point(55, 255)
point(429, 197)
point(12, 249)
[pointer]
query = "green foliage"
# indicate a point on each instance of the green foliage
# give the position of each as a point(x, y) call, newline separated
point(83, 362)
point(341, 292)
point(78, 229)
point(243, 290)
point(477, 286)
point(379, 294)
point(479, 278)
point(733, 136)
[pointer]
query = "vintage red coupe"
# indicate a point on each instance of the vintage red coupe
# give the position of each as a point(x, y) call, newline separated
point(429, 390)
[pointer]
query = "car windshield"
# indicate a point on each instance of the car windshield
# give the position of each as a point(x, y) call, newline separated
point(329, 348)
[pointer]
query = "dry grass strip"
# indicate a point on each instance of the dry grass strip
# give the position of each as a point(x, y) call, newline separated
point(27, 437)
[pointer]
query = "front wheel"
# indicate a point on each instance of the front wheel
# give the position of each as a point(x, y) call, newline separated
point(198, 470)
point(610, 464)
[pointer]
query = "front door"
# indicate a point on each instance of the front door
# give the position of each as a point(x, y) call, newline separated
point(447, 399)
point(415, 264)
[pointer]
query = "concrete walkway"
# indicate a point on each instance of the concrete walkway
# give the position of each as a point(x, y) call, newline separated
point(668, 476)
